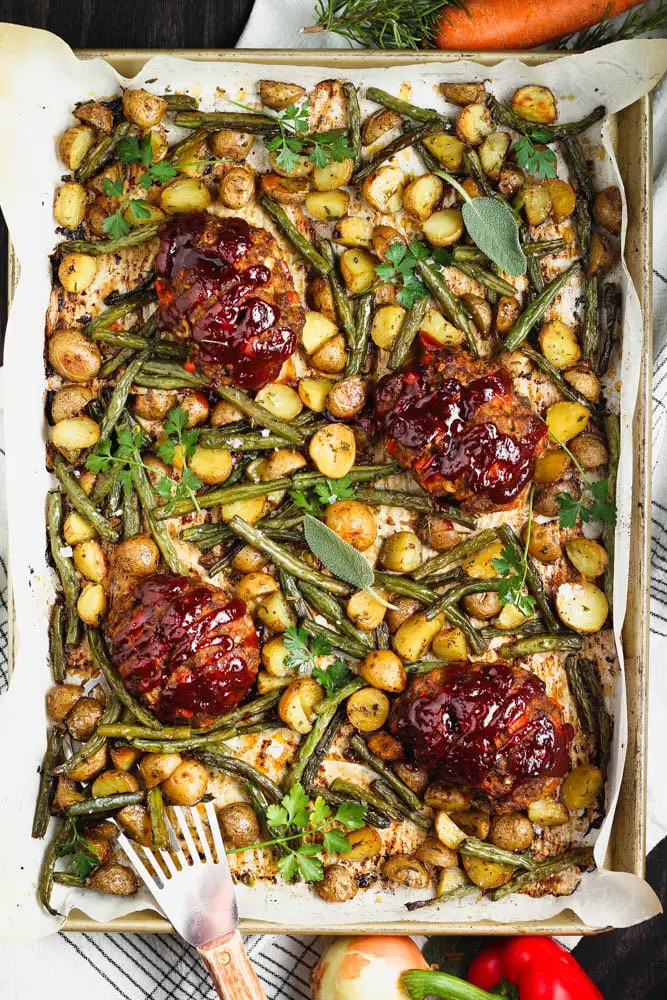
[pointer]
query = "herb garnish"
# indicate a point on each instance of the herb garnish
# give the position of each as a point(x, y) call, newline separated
point(541, 162)
point(514, 571)
point(399, 268)
point(303, 648)
point(492, 227)
point(294, 812)
point(293, 138)
point(327, 492)
point(83, 858)
point(130, 150)
point(128, 454)
point(333, 677)
point(600, 507)
point(337, 555)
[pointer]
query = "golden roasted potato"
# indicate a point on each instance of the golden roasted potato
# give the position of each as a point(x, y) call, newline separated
point(347, 398)
point(551, 466)
point(463, 93)
point(383, 189)
point(142, 108)
point(582, 787)
point(124, 758)
point(302, 166)
point(137, 556)
point(136, 823)
point(155, 768)
point(229, 145)
point(544, 542)
point(601, 255)
point(404, 608)
point(187, 784)
point(547, 812)
point(336, 174)
point(239, 824)
point(508, 311)
point(185, 194)
point(77, 529)
point(474, 823)
point(412, 775)
point(563, 198)
point(447, 831)
point(285, 190)
point(77, 271)
point(333, 450)
point(378, 125)
point(278, 95)
point(249, 510)
point(587, 556)
point(75, 433)
point(75, 142)
point(90, 560)
point(584, 381)
point(447, 149)
point(274, 656)
point(91, 604)
point(366, 844)
point(384, 670)
point(95, 114)
point(266, 683)
point(448, 798)
point(69, 401)
point(450, 644)
point(313, 393)
point(254, 587)
point(422, 196)
point(474, 123)
point(485, 605)
point(436, 328)
point(486, 874)
point(608, 209)
point(317, 330)
point(384, 237)
point(151, 213)
point(353, 521)
point(535, 104)
point(353, 231)
point(480, 566)
point(320, 298)
point(565, 420)
point(237, 187)
point(433, 852)
point(297, 705)
point(546, 498)
point(280, 400)
point(358, 270)
point(482, 314)
point(327, 205)
point(401, 552)
point(331, 358)
point(274, 612)
point(61, 698)
point(365, 611)
point(536, 204)
point(583, 607)
point(559, 344)
point(444, 227)
point(472, 188)
point(438, 532)
point(414, 637)
point(114, 879)
point(511, 832)
point(406, 871)
point(386, 325)
point(283, 462)
point(73, 356)
point(113, 783)
point(367, 709)
point(337, 885)
point(153, 404)
point(492, 153)
point(385, 746)
point(88, 768)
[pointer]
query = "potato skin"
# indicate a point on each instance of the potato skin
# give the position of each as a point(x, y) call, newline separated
point(73, 356)
point(95, 114)
point(354, 522)
point(337, 885)
point(61, 698)
point(277, 95)
point(142, 108)
point(239, 824)
point(546, 498)
point(608, 209)
point(407, 871)
point(237, 187)
point(187, 784)
point(230, 145)
point(512, 832)
point(347, 398)
point(115, 879)
point(138, 556)
point(378, 124)
point(405, 607)
point(83, 718)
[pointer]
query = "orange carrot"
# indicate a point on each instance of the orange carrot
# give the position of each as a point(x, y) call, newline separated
point(521, 24)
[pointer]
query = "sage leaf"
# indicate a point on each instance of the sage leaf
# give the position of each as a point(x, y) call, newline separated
point(339, 558)
point(493, 229)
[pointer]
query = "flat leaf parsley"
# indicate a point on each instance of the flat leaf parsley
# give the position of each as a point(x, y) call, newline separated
point(326, 493)
point(541, 162)
point(302, 648)
point(596, 506)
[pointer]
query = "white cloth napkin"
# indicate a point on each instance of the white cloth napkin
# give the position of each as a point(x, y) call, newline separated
point(137, 967)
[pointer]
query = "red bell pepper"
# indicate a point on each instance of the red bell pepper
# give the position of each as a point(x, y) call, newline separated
point(538, 967)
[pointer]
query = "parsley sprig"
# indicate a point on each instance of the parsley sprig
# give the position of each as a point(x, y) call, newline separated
point(128, 455)
point(293, 138)
point(399, 265)
point(597, 506)
point(83, 858)
point(325, 493)
point(302, 650)
point(296, 813)
point(333, 677)
point(130, 150)
point(514, 572)
point(541, 162)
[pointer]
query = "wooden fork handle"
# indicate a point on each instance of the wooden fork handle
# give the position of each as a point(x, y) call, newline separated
point(230, 968)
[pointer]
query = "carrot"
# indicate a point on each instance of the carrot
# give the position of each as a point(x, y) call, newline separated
point(521, 24)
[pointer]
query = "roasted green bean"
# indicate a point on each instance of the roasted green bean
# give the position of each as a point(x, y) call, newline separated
point(118, 398)
point(47, 781)
point(81, 502)
point(564, 387)
point(253, 122)
point(405, 108)
point(378, 765)
point(590, 325)
point(475, 848)
point(155, 805)
point(339, 293)
point(533, 580)
point(537, 308)
point(57, 643)
point(507, 116)
point(98, 154)
point(64, 565)
point(350, 790)
point(581, 857)
point(362, 332)
point(469, 546)
point(327, 606)
point(260, 414)
point(103, 804)
point(95, 248)
point(297, 239)
point(228, 764)
point(451, 306)
point(355, 649)
point(539, 644)
point(354, 121)
point(612, 429)
point(324, 714)
point(407, 334)
point(129, 304)
point(180, 102)
point(486, 278)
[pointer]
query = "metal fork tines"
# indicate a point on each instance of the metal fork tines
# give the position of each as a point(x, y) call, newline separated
point(195, 892)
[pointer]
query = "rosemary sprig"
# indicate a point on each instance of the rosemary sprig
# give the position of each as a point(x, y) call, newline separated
point(637, 22)
point(382, 24)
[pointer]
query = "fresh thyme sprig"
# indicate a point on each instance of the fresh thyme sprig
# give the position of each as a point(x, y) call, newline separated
point(514, 572)
point(294, 812)
point(637, 22)
point(382, 24)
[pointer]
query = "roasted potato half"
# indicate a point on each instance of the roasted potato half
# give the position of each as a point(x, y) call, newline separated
point(278, 96)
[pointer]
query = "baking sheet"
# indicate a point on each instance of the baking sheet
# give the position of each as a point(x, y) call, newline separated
point(36, 67)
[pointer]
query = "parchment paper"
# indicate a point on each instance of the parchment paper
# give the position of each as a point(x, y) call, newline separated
point(40, 81)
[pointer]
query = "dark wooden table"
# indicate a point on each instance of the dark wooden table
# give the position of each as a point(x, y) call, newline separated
point(626, 965)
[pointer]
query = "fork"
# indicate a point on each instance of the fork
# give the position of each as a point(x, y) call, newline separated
point(198, 898)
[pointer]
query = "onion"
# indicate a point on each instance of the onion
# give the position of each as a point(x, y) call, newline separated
point(360, 968)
